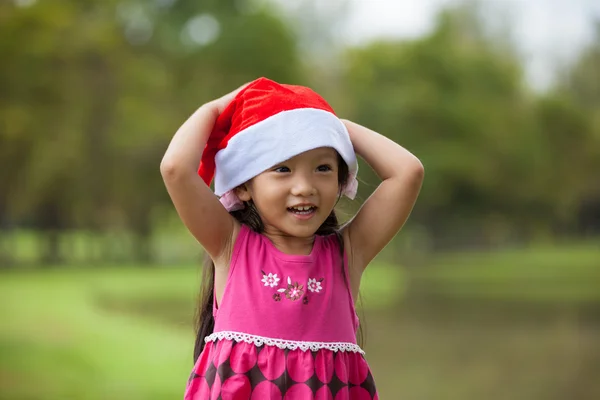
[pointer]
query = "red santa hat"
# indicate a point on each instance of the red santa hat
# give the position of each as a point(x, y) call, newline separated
point(266, 124)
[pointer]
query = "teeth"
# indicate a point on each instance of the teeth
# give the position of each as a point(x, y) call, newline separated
point(302, 208)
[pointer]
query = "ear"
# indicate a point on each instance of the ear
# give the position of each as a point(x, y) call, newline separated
point(243, 192)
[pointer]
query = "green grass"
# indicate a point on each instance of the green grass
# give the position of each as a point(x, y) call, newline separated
point(118, 333)
point(58, 343)
point(543, 274)
point(125, 333)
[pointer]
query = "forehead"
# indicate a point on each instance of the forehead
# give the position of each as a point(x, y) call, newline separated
point(316, 154)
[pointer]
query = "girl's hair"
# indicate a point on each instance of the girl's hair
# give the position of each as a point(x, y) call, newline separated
point(205, 322)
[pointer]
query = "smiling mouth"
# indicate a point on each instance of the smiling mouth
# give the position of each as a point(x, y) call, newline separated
point(302, 210)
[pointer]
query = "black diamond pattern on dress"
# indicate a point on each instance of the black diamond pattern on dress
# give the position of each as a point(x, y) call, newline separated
point(314, 383)
point(255, 376)
point(335, 385)
point(224, 370)
point(210, 375)
point(283, 382)
point(369, 385)
point(193, 375)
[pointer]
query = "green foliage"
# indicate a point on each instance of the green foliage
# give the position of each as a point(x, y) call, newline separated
point(492, 150)
point(91, 92)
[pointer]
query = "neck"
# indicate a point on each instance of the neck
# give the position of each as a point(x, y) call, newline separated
point(290, 244)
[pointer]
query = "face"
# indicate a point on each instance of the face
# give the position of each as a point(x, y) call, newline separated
point(295, 197)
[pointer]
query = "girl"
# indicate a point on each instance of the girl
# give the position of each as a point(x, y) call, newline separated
point(277, 318)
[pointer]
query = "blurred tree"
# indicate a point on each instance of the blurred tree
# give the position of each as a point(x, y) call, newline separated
point(491, 150)
point(566, 155)
point(458, 103)
point(38, 127)
point(582, 86)
point(91, 93)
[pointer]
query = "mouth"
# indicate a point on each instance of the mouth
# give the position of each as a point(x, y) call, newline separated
point(303, 210)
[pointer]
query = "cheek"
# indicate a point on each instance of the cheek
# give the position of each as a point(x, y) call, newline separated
point(266, 192)
point(330, 190)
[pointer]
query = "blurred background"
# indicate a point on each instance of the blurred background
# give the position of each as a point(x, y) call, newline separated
point(492, 289)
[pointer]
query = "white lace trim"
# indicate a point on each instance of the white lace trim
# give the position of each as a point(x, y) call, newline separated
point(284, 344)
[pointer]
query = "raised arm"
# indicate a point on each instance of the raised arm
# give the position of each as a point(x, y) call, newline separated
point(196, 204)
point(387, 209)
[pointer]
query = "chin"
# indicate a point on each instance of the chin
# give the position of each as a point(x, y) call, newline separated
point(304, 228)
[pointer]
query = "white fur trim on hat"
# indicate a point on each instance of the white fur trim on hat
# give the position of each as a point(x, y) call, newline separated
point(277, 139)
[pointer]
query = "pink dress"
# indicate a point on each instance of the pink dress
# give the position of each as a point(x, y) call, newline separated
point(285, 329)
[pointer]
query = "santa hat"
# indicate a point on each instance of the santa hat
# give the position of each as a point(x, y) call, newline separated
point(268, 123)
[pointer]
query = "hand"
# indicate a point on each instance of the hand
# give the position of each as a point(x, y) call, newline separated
point(222, 102)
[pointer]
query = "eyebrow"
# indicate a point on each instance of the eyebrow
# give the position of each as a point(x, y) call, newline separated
point(326, 154)
point(327, 158)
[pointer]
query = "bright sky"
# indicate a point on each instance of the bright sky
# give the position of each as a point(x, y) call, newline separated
point(548, 32)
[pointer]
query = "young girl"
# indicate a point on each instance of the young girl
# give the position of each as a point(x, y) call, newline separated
point(277, 319)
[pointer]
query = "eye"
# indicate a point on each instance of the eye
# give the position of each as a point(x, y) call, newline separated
point(282, 168)
point(324, 168)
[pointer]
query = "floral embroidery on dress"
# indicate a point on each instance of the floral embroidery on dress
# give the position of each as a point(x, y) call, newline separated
point(293, 291)
point(315, 285)
point(270, 279)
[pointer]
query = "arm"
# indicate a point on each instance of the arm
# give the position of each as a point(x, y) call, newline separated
point(196, 204)
point(387, 209)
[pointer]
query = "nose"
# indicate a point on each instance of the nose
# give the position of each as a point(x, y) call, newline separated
point(303, 186)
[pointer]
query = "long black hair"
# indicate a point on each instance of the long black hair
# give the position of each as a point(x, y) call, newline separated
point(205, 322)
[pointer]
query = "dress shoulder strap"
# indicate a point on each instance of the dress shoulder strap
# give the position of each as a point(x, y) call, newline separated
point(240, 242)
